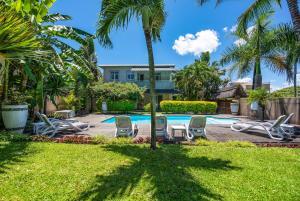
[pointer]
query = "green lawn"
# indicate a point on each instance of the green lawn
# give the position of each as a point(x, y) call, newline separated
point(49, 171)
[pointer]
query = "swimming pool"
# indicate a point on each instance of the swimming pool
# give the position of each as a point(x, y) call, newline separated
point(178, 119)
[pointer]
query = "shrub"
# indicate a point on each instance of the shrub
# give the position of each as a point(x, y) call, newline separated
point(115, 91)
point(202, 107)
point(123, 106)
point(147, 107)
point(100, 139)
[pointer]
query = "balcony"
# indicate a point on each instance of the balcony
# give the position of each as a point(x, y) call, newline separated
point(161, 84)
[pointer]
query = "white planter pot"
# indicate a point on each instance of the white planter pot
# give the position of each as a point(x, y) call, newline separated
point(104, 107)
point(234, 108)
point(15, 117)
point(254, 106)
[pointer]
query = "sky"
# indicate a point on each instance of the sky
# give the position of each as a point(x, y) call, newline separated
point(189, 30)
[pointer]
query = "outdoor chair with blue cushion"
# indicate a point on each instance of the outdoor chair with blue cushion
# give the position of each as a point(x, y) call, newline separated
point(124, 127)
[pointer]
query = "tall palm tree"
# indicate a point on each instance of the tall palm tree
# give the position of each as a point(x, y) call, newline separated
point(286, 39)
point(117, 14)
point(256, 49)
point(259, 7)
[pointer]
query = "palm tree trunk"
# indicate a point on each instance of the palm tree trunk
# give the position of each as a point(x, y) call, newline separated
point(258, 76)
point(152, 87)
point(294, 11)
point(295, 78)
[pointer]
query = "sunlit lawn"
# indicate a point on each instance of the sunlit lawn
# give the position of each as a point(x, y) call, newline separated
point(48, 171)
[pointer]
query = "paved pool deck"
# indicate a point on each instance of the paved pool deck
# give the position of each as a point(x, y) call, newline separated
point(214, 132)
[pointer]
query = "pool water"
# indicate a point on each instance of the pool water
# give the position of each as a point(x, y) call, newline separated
point(178, 119)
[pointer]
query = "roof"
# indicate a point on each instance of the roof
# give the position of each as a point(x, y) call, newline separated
point(236, 91)
point(164, 91)
point(137, 65)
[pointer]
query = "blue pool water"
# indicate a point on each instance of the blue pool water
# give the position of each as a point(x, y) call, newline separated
point(178, 119)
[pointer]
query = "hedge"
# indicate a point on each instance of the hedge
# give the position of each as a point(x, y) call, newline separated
point(197, 107)
point(117, 106)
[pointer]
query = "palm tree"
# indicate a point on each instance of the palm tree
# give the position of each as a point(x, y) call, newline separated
point(259, 7)
point(256, 48)
point(286, 39)
point(117, 14)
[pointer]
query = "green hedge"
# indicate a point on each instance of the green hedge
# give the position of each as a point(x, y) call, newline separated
point(123, 106)
point(197, 107)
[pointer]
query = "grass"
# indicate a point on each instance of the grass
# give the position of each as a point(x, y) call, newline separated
point(50, 171)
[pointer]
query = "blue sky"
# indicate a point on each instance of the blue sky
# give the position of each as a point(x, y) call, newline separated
point(184, 17)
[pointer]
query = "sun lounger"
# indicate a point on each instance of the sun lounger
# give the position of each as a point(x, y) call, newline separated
point(286, 126)
point(124, 127)
point(273, 130)
point(196, 127)
point(54, 126)
point(161, 127)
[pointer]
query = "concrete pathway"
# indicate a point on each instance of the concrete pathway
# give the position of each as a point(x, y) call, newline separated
point(214, 132)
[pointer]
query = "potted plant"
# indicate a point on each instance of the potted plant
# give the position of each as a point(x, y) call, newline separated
point(234, 107)
point(15, 111)
point(258, 99)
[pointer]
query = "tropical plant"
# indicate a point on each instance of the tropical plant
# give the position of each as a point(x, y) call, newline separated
point(35, 10)
point(18, 42)
point(117, 14)
point(255, 48)
point(286, 39)
point(200, 80)
point(259, 7)
point(259, 95)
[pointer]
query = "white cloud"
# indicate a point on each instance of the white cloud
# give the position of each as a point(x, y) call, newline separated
point(233, 28)
point(203, 41)
point(240, 42)
point(225, 29)
point(244, 80)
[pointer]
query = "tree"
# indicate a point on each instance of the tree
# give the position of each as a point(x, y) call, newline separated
point(256, 47)
point(117, 14)
point(259, 7)
point(286, 39)
point(200, 80)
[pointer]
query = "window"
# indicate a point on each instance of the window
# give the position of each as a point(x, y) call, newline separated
point(130, 75)
point(141, 77)
point(114, 75)
point(157, 76)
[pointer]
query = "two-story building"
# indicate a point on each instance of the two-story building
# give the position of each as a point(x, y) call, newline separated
point(139, 74)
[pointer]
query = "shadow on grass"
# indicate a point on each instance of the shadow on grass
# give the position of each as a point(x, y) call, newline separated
point(166, 169)
point(11, 153)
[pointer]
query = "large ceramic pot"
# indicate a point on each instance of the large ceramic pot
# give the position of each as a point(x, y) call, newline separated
point(15, 117)
point(234, 108)
point(254, 106)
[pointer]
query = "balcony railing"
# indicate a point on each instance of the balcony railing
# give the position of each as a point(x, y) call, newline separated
point(159, 84)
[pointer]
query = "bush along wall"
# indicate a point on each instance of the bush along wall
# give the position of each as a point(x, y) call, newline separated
point(122, 106)
point(197, 107)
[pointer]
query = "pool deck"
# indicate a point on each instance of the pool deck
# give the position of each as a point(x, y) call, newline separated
point(214, 132)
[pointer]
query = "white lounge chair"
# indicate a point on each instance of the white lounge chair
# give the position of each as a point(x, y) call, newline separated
point(161, 127)
point(196, 127)
point(125, 128)
point(289, 129)
point(54, 126)
point(274, 130)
